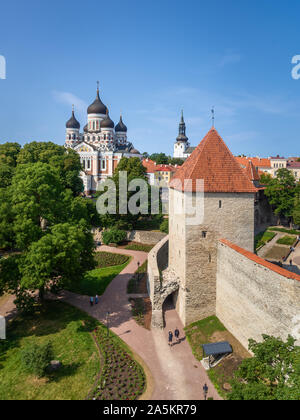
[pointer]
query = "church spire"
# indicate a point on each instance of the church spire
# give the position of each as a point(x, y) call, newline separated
point(182, 130)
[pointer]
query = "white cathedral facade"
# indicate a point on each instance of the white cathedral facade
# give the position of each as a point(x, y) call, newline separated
point(100, 146)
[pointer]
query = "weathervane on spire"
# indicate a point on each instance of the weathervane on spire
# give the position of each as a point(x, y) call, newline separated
point(73, 108)
point(98, 84)
point(213, 116)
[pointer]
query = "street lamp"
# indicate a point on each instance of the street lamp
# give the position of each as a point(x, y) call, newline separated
point(205, 391)
point(107, 322)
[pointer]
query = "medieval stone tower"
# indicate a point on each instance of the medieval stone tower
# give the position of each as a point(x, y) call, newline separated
point(227, 201)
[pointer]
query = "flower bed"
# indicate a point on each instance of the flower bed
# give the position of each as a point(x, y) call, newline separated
point(122, 378)
point(108, 259)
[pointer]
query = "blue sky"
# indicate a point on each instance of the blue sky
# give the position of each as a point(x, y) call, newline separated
point(152, 59)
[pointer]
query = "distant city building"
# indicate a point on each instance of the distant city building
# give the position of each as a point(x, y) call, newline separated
point(157, 173)
point(100, 146)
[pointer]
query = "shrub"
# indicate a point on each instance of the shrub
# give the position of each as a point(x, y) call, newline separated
point(139, 247)
point(36, 358)
point(113, 235)
point(164, 227)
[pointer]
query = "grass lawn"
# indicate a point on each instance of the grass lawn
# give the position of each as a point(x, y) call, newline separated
point(287, 240)
point(211, 330)
point(138, 282)
point(263, 237)
point(96, 281)
point(73, 346)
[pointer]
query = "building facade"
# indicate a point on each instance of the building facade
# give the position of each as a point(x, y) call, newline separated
point(100, 146)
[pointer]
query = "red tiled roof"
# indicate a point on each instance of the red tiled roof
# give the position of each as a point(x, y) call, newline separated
point(257, 162)
point(253, 257)
point(152, 167)
point(251, 172)
point(294, 165)
point(212, 162)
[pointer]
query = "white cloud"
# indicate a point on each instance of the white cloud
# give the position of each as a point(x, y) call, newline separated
point(230, 59)
point(70, 99)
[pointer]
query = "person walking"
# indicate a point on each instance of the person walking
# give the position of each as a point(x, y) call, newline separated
point(96, 299)
point(177, 333)
point(170, 338)
point(91, 300)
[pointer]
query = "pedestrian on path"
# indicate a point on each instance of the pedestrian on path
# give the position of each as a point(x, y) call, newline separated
point(177, 333)
point(170, 338)
point(96, 300)
point(291, 262)
point(92, 301)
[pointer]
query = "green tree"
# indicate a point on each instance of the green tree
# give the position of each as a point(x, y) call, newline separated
point(281, 193)
point(7, 234)
point(296, 209)
point(66, 161)
point(35, 193)
point(272, 374)
point(160, 158)
point(57, 259)
point(114, 236)
point(135, 170)
point(176, 161)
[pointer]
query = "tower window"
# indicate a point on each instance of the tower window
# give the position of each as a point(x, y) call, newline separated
point(204, 234)
point(220, 204)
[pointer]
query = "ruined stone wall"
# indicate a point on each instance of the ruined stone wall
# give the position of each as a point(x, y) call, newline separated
point(225, 215)
point(157, 261)
point(145, 237)
point(253, 299)
point(177, 247)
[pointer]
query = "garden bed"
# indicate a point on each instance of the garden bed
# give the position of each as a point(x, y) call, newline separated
point(122, 378)
point(287, 240)
point(109, 259)
point(277, 253)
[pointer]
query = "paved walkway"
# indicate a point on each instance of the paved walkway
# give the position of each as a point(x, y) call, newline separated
point(176, 373)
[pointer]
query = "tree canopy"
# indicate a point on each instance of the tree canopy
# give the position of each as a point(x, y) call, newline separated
point(43, 218)
point(272, 374)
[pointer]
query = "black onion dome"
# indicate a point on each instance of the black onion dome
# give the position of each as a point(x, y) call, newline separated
point(107, 122)
point(73, 123)
point(121, 127)
point(97, 107)
point(86, 128)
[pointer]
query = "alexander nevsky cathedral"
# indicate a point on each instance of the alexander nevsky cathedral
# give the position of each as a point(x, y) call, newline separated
point(101, 145)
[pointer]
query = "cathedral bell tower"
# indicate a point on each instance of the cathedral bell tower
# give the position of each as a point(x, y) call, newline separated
point(182, 141)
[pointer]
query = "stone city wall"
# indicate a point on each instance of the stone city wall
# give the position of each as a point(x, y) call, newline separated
point(255, 297)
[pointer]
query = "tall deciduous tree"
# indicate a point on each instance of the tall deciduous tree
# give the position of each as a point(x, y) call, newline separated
point(58, 258)
point(281, 193)
point(272, 374)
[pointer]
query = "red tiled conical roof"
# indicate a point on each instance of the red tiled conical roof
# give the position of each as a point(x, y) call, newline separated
point(213, 162)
